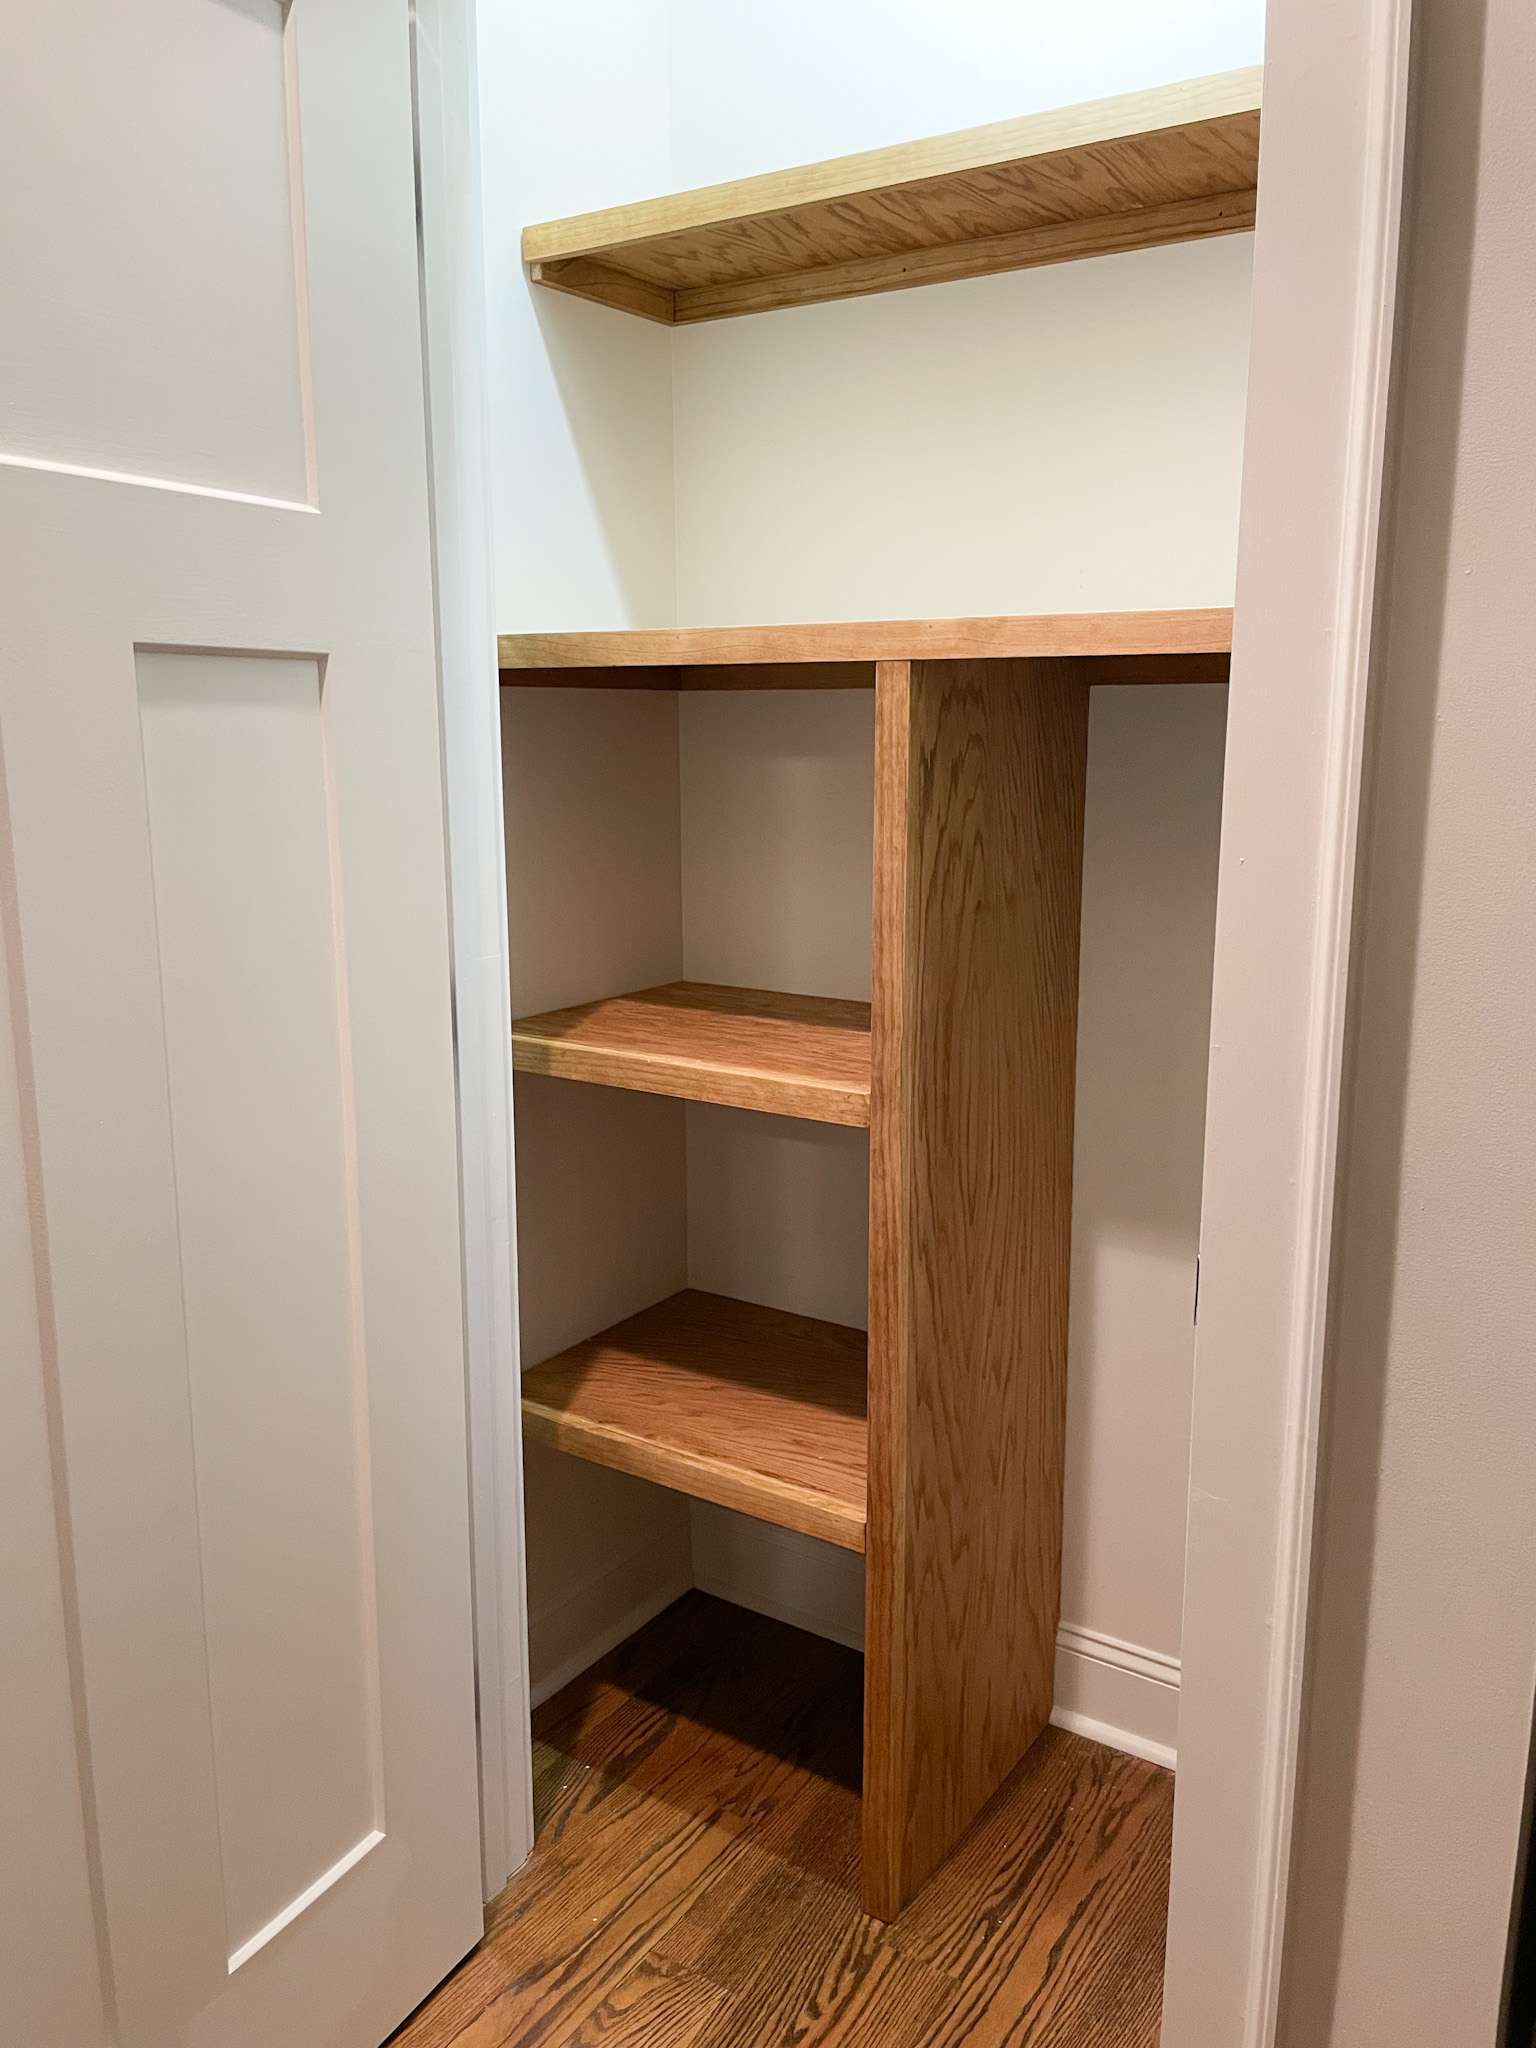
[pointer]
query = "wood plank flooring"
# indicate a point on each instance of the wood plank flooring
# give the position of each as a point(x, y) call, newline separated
point(696, 1879)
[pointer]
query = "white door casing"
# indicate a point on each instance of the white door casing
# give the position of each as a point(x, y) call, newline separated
point(1336, 101)
point(453, 321)
point(226, 926)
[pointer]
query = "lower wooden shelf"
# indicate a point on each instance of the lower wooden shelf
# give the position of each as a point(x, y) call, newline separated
point(745, 1406)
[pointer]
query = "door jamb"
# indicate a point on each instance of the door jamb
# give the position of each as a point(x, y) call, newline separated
point(451, 255)
point(1326, 264)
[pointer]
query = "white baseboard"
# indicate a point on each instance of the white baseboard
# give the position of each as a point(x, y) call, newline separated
point(1117, 1693)
point(566, 1637)
point(1123, 1739)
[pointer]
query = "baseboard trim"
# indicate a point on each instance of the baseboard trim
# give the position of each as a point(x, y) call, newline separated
point(1118, 1655)
point(1123, 1739)
point(1117, 1693)
point(1107, 1690)
point(608, 1639)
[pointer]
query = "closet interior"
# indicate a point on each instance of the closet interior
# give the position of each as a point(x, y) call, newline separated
point(795, 921)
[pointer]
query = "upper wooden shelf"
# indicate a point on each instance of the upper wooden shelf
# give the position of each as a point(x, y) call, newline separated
point(745, 1406)
point(1169, 165)
point(1151, 647)
point(748, 1048)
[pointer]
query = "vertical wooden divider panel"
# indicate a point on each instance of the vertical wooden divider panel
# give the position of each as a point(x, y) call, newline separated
point(979, 778)
point(885, 1529)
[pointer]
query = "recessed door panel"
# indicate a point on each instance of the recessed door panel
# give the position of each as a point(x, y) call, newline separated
point(248, 916)
point(152, 320)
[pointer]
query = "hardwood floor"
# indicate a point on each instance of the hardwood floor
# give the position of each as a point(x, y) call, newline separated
point(696, 1879)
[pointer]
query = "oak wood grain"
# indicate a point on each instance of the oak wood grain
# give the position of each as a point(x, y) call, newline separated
point(812, 1970)
point(1206, 631)
point(652, 2007)
point(980, 771)
point(730, 1402)
point(1048, 1929)
point(805, 1056)
point(1107, 234)
point(1165, 165)
point(682, 1893)
point(608, 284)
point(887, 1701)
point(651, 1864)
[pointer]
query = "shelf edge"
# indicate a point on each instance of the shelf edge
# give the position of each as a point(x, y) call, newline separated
point(1026, 636)
point(823, 1102)
point(1217, 96)
point(727, 1486)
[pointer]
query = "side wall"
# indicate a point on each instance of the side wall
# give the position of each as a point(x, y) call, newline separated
point(594, 906)
point(573, 114)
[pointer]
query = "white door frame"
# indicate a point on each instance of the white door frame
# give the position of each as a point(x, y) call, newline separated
point(1324, 299)
point(1324, 296)
point(453, 336)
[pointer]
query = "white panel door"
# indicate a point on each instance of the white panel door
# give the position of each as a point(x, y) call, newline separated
point(247, 1701)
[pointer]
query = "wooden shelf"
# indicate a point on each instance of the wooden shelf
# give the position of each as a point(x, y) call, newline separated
point(1170, 165)
point(1121, 647)
point(729, 1402)
point(749, 1048)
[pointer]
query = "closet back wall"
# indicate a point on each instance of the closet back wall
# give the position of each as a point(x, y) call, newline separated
point(1061, 439)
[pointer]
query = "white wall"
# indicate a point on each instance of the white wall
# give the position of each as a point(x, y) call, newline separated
point(1068, 438)
point(1150, 844)
point(573, 114)
point(1065, 439)
point(753, 88)
point(1056, 439)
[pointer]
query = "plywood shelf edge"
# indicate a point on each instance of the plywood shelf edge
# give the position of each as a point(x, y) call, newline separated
point(1174, 163)
point(843, 652)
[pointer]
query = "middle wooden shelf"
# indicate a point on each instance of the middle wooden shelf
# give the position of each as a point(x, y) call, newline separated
point(746, 1406)
point(748, 1048)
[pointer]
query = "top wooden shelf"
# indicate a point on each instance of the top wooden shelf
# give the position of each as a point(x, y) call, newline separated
point(1168, 165)
point(1153, 647)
